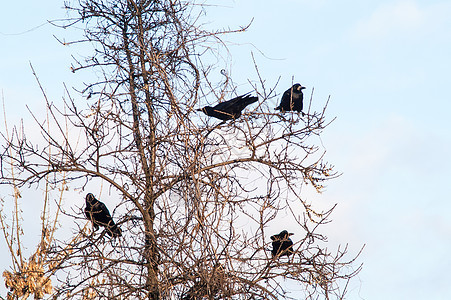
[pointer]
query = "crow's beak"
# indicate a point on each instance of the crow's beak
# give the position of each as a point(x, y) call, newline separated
point(290, 234)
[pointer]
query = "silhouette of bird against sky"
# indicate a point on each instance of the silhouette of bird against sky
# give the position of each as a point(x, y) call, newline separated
point(99, 215)
point(230, 109)
point(282, 244)
point(292, 99)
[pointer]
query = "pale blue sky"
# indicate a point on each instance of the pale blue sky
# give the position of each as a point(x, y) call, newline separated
point(386, 66)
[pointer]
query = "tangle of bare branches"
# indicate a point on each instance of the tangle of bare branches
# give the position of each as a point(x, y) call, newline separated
point(197, 199)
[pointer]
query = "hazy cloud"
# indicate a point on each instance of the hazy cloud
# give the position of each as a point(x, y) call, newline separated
point(407, 18)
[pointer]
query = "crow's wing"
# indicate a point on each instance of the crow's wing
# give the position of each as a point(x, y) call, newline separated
point(287, 247)
point(227, 106)
point(113, 230)
point(275, 247)
point(101, 215)
point(298, 99)
point(245, 101)
point(228, 109)
point(104, 209)
point(286, 99)
point(237, 103)
point(88, 213)
point(232, 108)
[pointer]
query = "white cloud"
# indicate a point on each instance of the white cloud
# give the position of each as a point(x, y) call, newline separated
point(405, 18)
point(399, 17)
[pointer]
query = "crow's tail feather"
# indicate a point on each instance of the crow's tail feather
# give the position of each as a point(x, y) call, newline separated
point(114, 231)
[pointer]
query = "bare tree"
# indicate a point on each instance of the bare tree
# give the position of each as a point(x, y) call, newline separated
point(198, 199)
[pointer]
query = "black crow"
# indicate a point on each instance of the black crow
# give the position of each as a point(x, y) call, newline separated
point(292, 99)
point(99, 215)
point(282, 244)
point(230, 109)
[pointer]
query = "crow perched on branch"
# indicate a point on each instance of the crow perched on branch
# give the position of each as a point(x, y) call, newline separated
point(292, 99)
point(282, 244)
point(230, 109)
point(99, 215)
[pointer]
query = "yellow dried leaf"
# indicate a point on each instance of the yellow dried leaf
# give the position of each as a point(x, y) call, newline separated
point(48, 286)
point(38, 294)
